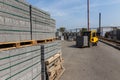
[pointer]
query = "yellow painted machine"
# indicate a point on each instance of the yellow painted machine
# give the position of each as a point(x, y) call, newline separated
point(94, 37)
point(87, 39)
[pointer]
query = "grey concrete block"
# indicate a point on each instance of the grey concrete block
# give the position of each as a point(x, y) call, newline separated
point(4, 77)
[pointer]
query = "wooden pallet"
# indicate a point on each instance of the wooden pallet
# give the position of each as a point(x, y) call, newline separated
point(53, 58)
point(12, 45)
point(54, 67)
point(19, 44)
point(56, 72)
point(60, 73)
point(41, 41)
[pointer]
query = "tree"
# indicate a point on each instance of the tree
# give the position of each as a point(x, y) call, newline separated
point(62, 29)
point(83, 30)
point(107, 34)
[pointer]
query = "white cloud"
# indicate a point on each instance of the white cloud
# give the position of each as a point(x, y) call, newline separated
point(73, 12)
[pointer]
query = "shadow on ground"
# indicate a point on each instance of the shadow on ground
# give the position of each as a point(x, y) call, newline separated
point(73, 46)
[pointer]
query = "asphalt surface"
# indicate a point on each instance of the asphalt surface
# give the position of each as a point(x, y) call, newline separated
point(95, 63)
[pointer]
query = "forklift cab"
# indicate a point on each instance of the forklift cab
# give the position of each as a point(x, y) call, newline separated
point(86, 39)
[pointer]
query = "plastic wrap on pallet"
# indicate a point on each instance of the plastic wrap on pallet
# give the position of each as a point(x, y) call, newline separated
point(23, 63)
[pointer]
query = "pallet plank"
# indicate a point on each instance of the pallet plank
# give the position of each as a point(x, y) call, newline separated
point(19, 44)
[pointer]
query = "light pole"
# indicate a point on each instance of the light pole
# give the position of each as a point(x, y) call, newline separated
point(88, 15)
point(99, 22)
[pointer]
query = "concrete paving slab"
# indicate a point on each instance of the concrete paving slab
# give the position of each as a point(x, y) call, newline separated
point(95, 63)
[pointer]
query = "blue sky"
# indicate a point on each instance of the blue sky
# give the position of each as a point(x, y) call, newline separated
point(72, 13)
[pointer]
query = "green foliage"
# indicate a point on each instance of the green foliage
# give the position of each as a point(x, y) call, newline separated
point(107, 34)
point(62, 29)
point(83, 30)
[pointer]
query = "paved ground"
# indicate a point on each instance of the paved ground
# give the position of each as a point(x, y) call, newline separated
point(96, 63)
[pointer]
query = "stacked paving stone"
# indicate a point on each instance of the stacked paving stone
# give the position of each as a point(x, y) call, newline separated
point(15, 24)
point(21, 64)
point(51, 49)
point(25, 63)
point(19, 21)
point(14, 21)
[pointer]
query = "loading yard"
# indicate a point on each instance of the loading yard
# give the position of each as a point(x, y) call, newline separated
point(95, 63)
point(30, 42)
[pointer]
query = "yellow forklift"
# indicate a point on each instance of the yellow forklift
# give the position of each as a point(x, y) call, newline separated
point(87, 39)
point(94, 37)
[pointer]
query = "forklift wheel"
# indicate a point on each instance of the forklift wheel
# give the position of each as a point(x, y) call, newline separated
point(95, 44)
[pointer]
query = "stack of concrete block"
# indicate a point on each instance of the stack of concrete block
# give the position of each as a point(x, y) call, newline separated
point(21, 64)
point(25, 63)
point(15, 22)
point(116, 34)
point(52, 28)
point(40, 23)
point(49, 52)
point(51, 49)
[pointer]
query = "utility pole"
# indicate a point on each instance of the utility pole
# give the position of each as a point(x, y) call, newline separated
point(88, 15)
point(99, 22)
